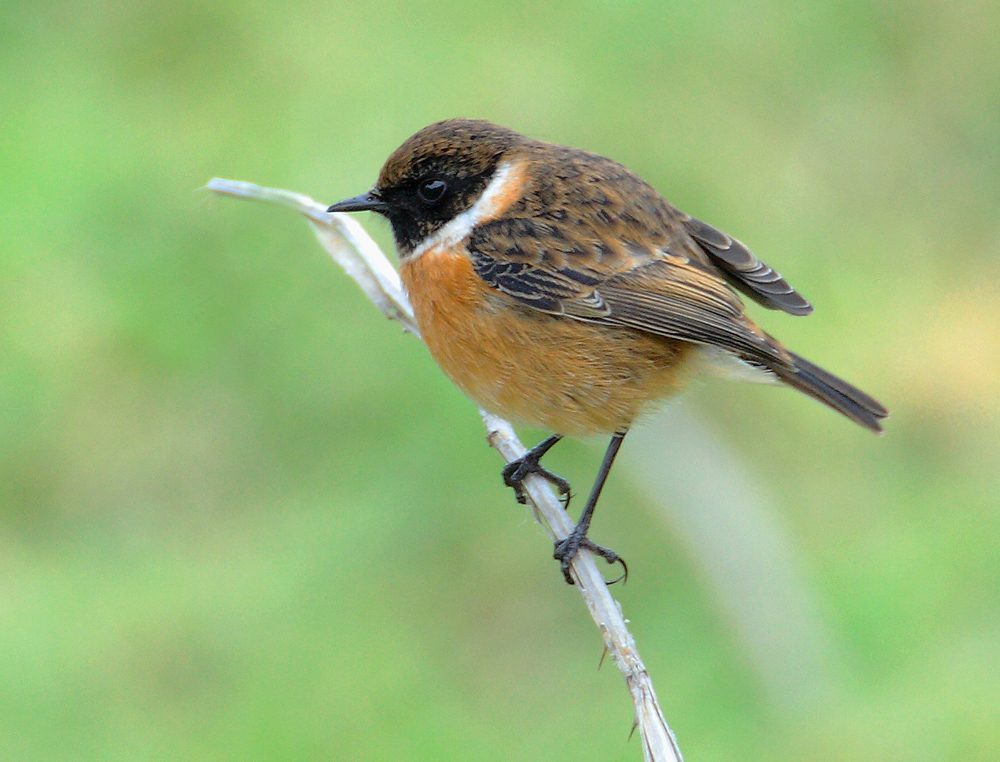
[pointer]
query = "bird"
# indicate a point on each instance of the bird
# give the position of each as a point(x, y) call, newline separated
point(558, 289)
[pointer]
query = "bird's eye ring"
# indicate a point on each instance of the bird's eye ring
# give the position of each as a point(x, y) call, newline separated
point(432, 191)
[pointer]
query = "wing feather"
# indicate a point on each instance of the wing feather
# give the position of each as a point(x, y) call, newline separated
point(673, 297)
point(744, 271)
point(686, 303)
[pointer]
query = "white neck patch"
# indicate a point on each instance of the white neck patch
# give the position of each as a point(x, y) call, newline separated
point(487, 207)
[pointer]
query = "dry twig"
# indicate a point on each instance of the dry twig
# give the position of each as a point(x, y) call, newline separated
point(347, 242)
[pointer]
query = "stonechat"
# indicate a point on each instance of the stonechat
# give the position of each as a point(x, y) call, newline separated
point(558, 289)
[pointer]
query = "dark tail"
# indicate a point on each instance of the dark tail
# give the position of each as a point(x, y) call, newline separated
point(830, 390)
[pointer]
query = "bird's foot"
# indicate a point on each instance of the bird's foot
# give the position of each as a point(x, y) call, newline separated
point(567, 548)
point(516, 472)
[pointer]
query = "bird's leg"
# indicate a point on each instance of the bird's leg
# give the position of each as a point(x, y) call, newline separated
point(515, 472)
point(567, 548)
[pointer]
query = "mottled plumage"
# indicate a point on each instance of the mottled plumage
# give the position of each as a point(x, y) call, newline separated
point(557, 287)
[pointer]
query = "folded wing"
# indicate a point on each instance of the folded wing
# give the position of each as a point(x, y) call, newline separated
point(744, 271)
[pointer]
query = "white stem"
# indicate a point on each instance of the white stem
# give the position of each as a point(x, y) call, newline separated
point(347, 242)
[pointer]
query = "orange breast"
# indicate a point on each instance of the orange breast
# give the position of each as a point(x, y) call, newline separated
point(544, 370)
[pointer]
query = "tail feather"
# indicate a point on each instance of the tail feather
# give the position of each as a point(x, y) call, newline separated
point(830, 390)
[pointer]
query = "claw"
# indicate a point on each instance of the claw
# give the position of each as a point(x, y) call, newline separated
point(516, 472)
point(567, 548)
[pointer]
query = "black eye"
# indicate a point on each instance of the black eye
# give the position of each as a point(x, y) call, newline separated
point(432, 191)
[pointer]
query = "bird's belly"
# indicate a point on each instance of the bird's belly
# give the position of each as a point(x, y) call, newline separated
point(544, 370)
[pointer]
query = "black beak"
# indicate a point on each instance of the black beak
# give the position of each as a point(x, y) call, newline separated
point(366, 202)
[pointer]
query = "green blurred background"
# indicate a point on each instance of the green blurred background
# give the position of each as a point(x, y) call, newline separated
point(243, 517)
